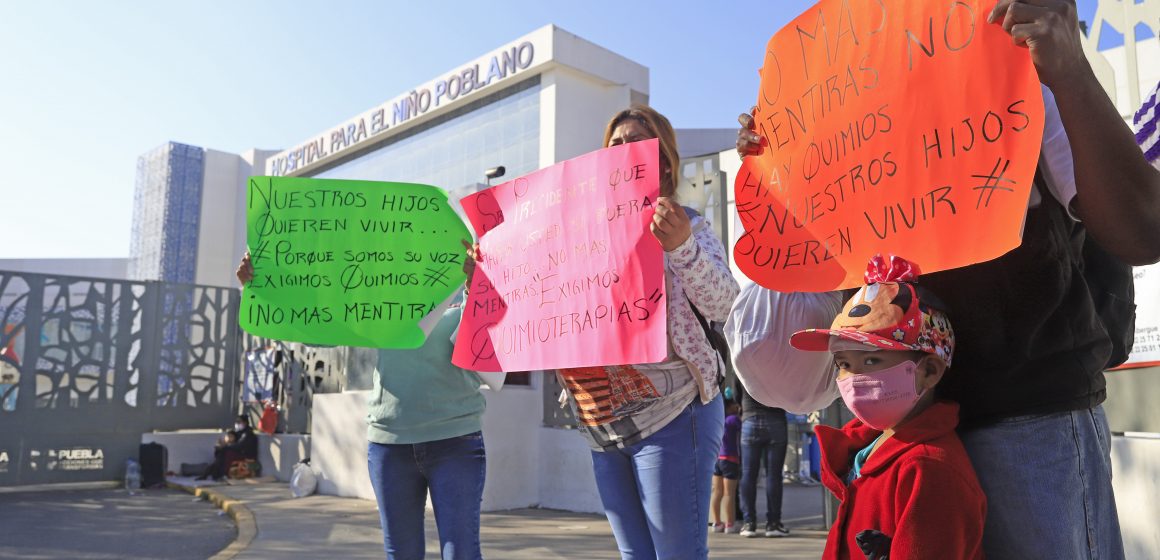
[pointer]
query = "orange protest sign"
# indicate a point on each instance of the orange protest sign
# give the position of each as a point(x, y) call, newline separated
point(910, 128)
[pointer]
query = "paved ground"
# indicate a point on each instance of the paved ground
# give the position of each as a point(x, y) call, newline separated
point(110, 524)
point(331, 527)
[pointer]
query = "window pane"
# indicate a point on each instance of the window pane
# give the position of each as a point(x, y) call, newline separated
point(455, 153)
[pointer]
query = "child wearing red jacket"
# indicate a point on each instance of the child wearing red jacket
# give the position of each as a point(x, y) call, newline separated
point(906, 486)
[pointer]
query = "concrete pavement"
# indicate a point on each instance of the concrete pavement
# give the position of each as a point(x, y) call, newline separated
point(108, 523)
point(332, 527)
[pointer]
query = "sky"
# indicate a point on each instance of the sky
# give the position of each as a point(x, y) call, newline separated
point(87, 87)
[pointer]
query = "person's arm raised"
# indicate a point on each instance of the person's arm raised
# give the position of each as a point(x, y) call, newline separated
point(1117, 191)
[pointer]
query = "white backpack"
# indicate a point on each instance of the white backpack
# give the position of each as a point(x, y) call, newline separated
point(773, 372)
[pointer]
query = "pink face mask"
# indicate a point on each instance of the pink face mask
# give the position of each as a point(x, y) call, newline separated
point(883, 398)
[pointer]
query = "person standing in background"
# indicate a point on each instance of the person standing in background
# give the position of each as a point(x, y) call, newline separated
point(726, 473)
point(764, 437)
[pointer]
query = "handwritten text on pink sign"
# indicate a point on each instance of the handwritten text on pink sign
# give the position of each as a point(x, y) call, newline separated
point(570, 275)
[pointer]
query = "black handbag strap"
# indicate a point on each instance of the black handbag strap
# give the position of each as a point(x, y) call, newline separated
point(711, 335)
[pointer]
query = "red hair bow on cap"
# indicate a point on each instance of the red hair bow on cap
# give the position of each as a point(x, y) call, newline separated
point(897, 270)
point(886, 314)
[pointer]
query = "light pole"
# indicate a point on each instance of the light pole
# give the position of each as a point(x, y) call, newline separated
point(493, 173)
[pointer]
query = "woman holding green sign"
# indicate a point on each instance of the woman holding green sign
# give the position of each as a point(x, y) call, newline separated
point(655, 429)
point(424, 434)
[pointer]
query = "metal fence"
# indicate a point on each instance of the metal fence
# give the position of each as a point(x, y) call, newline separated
point(87, 365)
point(287, 375)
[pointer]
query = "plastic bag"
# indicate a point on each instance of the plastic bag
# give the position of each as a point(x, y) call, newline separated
point(773, 372)
point(303, 481)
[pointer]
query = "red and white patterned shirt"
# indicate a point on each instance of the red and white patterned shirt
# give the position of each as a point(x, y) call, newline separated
point(621, 405)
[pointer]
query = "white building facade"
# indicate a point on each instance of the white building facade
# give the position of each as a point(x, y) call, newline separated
point(189, 214)
point(535, 101)
point(530, 103)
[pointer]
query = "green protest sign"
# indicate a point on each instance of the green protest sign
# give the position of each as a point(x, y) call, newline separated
point(353, 263)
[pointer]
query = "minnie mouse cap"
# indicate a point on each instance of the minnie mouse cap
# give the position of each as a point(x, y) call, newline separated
point(889, 313)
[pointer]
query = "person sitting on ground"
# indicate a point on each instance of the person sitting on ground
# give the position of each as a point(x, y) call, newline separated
point(901, 472)
point(239, 444)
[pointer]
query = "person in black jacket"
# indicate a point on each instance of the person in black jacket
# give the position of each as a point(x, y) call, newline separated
point(238, 444)
point(1030, 377)
point(764, 436)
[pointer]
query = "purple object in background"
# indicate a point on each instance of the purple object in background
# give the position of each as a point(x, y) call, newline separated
point(1145, 123)
point(815, 458)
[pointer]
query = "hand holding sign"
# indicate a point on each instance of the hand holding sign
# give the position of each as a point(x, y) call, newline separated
point(908, 128)
point(354, 263)
point(671, 225)
point(470, 257)
point(749, 143)
point(245, 271)
point(1050, 30)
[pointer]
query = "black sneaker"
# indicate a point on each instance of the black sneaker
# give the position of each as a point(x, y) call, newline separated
point(776, 530)
point(749, 530)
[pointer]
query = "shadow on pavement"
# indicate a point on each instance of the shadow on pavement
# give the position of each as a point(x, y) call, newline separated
point(110, 523)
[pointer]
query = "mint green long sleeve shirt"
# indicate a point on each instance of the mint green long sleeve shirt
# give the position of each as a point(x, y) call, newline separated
point(419, 396)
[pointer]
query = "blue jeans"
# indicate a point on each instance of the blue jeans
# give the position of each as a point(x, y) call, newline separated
point(763, 436)
point(453, 469)
point(1048, 481)
point(656, 493)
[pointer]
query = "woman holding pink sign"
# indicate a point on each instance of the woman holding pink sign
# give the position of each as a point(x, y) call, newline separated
point(655, 429)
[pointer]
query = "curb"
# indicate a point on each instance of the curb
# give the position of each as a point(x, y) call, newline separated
point(62, 486)
point(244, 519)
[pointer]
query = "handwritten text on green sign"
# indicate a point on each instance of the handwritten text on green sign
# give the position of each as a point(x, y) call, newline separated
point(355, 263)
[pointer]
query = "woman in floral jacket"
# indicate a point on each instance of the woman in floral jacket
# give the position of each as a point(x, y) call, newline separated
point(655, 429)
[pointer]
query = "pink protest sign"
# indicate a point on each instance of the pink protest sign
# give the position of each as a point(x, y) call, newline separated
point(570, 275)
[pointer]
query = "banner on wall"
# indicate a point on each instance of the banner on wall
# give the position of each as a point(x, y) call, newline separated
point(353, 263)
point(1146, 347)
point(908, 128)
point(570, 274)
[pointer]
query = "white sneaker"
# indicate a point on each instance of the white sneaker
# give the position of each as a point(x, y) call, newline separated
point(734, 528)
point(718, 527)
point(776, 530)
point(749, 530)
